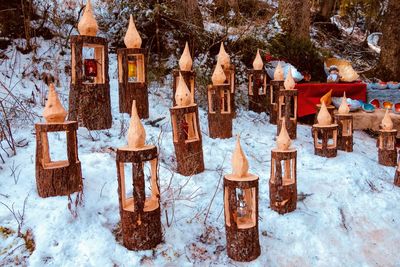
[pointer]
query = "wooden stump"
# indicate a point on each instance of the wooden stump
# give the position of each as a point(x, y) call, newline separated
point(345, 124)
point(397, 177)
point(133, 90)
point(140, 217)
point(325, 133)
point(189, 77)
point(283, 187)
point(189, 152)
point(89, 103)
point(220, 114)
point(57, 178)
point(387, 152)
point(275, 87)
point(287, 108)
point(257, 90)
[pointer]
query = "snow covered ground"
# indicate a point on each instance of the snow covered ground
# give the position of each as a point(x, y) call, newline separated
point(348, 213)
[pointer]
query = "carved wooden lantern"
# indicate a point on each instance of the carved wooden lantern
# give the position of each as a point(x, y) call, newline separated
point(132, 76)
point(220, 112)
point(258, 86)
point(186, 132)
point(229, 70)
point(397, 175)
point(387, 152)
point(188, 74)
point(325, 134)
point(287, 107)
point(327, 98)
point(277, 84)
point(283, 180)
point(241, 209)
point(62, 177)
point(344, 120)
point(140, 214)
point(89, 98)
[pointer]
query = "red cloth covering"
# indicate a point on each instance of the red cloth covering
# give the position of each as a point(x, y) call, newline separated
point(309, 94)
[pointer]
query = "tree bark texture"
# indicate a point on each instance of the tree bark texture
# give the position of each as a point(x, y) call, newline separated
point(219, 124)
point(325, 133)
point(345, 143)
point(274, 99)
point(257, 80)
point(287, 111)
point(387, 157)
point(295, 18)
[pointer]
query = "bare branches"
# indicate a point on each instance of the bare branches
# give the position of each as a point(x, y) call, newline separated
point(18, 216)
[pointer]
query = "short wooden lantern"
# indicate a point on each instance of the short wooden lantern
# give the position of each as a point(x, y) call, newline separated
point(57, 178)
point(397, 175)
point(287, 107)
point(325, 134)
point(140, 214)
point(89, 98)
point(229, 70)
point(277, 84)
point(283, 180)
point(186, 132)
point(188, 74)
point(258, 79)
point(344, 120)
point(132, 73)
point(241, 210)
point(387, 151)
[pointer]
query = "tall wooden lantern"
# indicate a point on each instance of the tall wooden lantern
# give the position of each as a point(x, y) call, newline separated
point(132, 76)
point(186, 132)
point(287, 107)
point(229, 69)
point(325, 134)
point(344, 120)
point(89, 98)
point(220, 112)
point(63, 177)
point(241, 209)
point(387, 152)
point(283, 180)
point(140, 214)
point(258, 86)
point(277, 84)
point(188, 74)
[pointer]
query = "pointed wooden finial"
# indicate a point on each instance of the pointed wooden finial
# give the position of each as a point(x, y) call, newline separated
point(223, 57)
point(324, 118)
point(136, 134)
point(218, 76)
point(132, 37)
point(182, 94)
point(186, 62)
point(387, 123)
point(88, 24)
point(283, 141)
point(289, 81)
point(240, 165)
point(54, 112)
point(258, 63)
point(344, 107)
point(327, 98)
point(278, 74)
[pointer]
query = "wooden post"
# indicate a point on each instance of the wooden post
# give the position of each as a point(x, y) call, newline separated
point(287, 108)
point(325, 140)
point(345, 131)
point(397, 175)
point(257, 90)
point(189, 77)
point(387, 152)
point(220, 113)
point(275, 87)
point(57, 178)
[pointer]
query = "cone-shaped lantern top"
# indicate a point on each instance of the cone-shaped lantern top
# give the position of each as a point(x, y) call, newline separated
point(327, 98)
point(258, 63)
point(289, 81)
point(344, 107)
point(186, 62)
point(240, 165)
point(218, 76)
point(182, 94)
point(324, 118)
point(283, 141)
point(54, 112)
point(136, 134)
point(223, 57)
point(278, 74)
point(387, 123)
point(132, 37)
point(88, 24)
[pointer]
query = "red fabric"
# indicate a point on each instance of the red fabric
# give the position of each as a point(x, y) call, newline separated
point(309, 94)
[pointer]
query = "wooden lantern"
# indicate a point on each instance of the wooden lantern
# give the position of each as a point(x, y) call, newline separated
point(344, 120)
point(132, 76)
point(89, 98)
point(188, 74)
point(186, 132)
point(283, 179)
point(258, 79)
point(229, 70)
point(397, 175)
point(140, 214)
point(387, 152)
point(241, 209)
point(220, 113)
point(57, 178)
point(277, 84)
point(325, 134)
point(287, 107)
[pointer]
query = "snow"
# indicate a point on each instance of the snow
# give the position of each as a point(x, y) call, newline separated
point(349, 217)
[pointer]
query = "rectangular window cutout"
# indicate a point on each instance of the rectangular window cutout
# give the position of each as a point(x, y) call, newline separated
point(54, 150)
point(211, 97)
point(93, 64)
point(136, 68)
point(225, 101)
point(245, 208)
point(191, 132)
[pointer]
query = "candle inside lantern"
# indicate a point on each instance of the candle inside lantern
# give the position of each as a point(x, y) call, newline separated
point(90, 67)
point(132, 69)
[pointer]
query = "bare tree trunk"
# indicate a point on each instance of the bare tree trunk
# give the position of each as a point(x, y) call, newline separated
point(327, 8)
point(26, 12)
point(295, 19)
point(189, 11)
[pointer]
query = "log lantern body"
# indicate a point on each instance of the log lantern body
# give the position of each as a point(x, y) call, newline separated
point(283, 179)
point(89, 99)
point(241, 210)
point(57, 178)
point(132, 73)
point(277, 84)
point(186, 132)
point(287, 107)
point(257, 89)
point(220, 113)
point(397, 175)
point(387, 152)
point(325, 134)
point(229, 70)
point(344, 120)
point(188, 74)
point(140, 214)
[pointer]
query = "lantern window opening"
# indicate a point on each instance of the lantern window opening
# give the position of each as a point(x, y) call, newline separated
point(73, 64)
point(272, 95)
point(225, 101)
point(387, 143)
point(93, 64)
point(293, 108)
point(251, 84)
point(120, 74)
point(245, 213)
point(191, 88)
point(58, 157)
point(211, 97)
point(191, 133)
point(232, 81)
point(135, 68)
point(261, 85)
point(287, 171)
point(347, 128)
